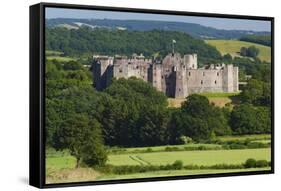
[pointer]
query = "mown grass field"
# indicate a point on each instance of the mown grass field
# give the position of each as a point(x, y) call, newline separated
point(209, 157)
point(233, 47)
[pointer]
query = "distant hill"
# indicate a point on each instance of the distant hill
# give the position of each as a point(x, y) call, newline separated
point(233, 47)
point(195, 30)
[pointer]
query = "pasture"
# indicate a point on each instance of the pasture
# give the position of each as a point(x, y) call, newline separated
point(233, 47)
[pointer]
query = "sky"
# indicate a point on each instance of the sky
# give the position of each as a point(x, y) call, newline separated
point(219, 23)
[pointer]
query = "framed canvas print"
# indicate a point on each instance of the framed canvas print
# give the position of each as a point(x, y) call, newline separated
point(127, 95)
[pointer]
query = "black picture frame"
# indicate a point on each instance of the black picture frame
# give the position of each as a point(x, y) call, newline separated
point(37, 94)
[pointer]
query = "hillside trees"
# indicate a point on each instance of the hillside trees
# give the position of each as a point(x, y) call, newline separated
point(251, 51)
point(110, 42)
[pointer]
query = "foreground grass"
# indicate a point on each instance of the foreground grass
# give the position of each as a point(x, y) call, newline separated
point(233, 47)
point(88, 174)
point(174, 173)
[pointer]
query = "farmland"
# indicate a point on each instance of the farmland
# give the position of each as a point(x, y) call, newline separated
point(233, 47)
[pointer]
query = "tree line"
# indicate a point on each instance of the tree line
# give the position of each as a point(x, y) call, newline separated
point(259, 39)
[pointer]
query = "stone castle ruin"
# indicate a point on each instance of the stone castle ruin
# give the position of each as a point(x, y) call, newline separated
point(176, 76)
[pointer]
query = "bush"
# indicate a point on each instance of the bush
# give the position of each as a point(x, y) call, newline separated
point(149, 150)
point(185, 140)
point(177, 165)
point(262, 163)
point(172, 149)
point(250, 163)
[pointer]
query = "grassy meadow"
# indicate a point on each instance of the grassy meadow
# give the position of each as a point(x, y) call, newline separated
point(233, 47)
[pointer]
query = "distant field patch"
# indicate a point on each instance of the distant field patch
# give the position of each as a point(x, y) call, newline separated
point(259, 138)
point(233, 47)
point(219, 99)
point(175, 102)
point(60, 58)
point(53, 53)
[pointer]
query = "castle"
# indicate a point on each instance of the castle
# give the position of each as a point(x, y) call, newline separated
point(176, 76)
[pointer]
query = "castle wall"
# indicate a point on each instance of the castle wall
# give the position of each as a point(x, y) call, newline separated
point(204, 80)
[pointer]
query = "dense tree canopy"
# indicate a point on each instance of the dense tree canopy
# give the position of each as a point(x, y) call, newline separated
point(111, 42)
point(260, 39)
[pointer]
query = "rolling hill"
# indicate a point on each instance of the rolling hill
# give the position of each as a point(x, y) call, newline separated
point(233, 47)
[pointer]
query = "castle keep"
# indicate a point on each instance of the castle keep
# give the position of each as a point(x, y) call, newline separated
point(176, 76)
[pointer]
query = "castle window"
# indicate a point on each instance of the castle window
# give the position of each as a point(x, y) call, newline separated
point(203, 73)
point(192, 65)
point(137, 67)
point(215, 81)
point(189, 73)
point(162, 76)
point(120, 70)
point(218, 74)
point(201, 82)
point(179, 89)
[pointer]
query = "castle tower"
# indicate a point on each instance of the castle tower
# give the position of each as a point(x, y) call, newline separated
point(181, 82)
point(156, 76)
point(102, 69)
point(228, 78)
point(235, 79)
point(190, 61)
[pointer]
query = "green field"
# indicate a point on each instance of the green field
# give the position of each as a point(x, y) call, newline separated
point(233, 47)
point(209, 157)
